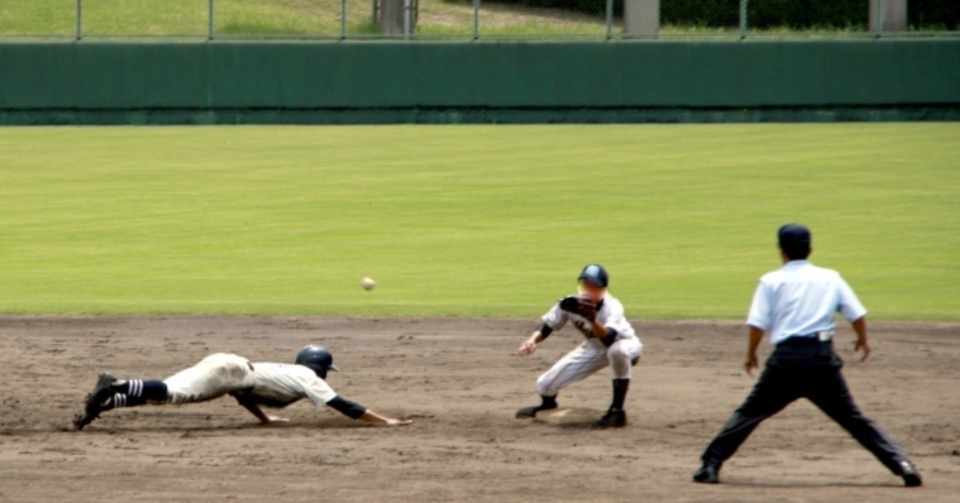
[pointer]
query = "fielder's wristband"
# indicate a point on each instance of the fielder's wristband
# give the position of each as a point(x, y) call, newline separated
point(610, 338)
point(545, 331)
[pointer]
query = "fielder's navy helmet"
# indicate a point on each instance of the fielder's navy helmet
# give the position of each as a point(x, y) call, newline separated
point(595, 274)
point(317, 359)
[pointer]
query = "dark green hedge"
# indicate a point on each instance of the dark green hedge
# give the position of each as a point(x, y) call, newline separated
point(767, 13)
point(935, 13)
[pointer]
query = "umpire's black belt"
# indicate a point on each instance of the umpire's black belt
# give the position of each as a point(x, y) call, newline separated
point(804, 351)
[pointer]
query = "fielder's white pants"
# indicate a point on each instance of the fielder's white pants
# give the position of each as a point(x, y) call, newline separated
point(215, 376)
point(588, 358)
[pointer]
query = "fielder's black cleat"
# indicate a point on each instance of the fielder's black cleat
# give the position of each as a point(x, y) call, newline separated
point(529, 412)
point(95, 401)
point(547, 403)
point(911, 477)
point(709, 473)
point(612, 419)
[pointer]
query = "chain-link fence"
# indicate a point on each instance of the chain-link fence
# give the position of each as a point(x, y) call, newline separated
point(476, 19)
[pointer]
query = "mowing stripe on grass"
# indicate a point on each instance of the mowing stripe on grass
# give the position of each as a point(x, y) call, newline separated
point(471, 220)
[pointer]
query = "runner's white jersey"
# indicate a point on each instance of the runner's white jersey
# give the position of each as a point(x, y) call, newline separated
point(281, 384)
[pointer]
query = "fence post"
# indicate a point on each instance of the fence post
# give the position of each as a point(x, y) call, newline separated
point(78, 28)
point(476, 19)
point(888, 15)
point(743, 18)
point(609, 19)
point(343, 19)
point(641, 18)
point(210, 8)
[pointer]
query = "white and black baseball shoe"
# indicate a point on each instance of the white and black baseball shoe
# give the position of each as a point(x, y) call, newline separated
point(97, 401)
point(911, 477)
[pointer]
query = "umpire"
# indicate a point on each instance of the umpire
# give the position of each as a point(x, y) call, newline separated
point(796, 305)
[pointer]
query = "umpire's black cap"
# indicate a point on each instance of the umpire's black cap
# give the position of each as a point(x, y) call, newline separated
point(795, 241)
point(594, 274)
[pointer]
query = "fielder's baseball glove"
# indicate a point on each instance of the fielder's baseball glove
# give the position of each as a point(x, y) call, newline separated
point(580, 307)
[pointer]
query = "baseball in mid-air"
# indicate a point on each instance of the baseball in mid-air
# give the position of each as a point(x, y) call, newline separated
point(367, 283)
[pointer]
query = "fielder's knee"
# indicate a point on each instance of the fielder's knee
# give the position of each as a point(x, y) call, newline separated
point(545, 386)
point(619, 361)
point(618, 352)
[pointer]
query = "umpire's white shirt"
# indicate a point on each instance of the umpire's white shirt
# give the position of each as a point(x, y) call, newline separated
point(801, 299)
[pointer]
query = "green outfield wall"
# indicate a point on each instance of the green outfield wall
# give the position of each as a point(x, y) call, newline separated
point(369, 82)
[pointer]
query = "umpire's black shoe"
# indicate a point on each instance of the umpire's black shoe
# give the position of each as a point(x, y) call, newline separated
point(95, 403)
point(709, 473)
point(612, 419)
point(911, 477)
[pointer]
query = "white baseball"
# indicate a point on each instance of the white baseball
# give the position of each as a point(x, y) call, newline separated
point(368, 283)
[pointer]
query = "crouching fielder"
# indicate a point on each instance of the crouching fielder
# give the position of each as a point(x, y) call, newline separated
point(611, 341)
point(253, 385)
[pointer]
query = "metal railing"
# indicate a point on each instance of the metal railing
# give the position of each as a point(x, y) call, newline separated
point(608, 29)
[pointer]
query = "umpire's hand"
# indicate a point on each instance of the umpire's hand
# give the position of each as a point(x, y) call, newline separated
point(863, 346)
point(751, 364)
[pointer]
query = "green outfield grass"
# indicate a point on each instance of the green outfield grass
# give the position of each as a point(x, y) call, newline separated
point(470, 220)
point(437, 19)
point(284, 18)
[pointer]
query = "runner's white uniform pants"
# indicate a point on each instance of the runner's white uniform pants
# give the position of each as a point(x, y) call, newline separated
point(214, 376)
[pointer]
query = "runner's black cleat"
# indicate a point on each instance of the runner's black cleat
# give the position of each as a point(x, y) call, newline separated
point(96, 401)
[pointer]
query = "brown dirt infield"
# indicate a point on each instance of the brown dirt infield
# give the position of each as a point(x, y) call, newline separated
point(460, 382)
